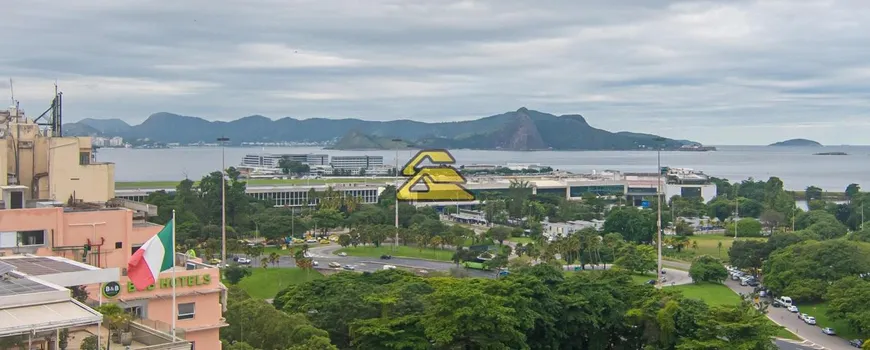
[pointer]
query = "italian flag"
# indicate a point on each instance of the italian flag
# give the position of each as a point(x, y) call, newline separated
point(154, 257)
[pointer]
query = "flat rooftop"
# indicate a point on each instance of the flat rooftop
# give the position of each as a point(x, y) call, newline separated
point(41, 265)
point(11, 285)
point(59, 271)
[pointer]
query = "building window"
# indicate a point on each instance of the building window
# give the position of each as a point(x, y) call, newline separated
point(186, 311)
point(84, 158)
point(135, 248)
point(136, 311)
point(22, 238)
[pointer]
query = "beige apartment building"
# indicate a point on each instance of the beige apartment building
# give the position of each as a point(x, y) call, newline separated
point(47, 167)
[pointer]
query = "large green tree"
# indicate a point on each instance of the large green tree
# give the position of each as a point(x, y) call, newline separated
point(804, 271)
point(707, 269)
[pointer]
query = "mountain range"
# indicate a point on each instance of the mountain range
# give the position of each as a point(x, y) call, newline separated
point(520, 130)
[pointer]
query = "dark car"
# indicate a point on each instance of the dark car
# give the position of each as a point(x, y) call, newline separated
point(386, 257)
point(856, 343)
point(776, 303)
point(651, 282)
point(753, 283)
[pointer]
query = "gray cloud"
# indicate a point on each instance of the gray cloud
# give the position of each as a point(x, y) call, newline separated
point(744, 72)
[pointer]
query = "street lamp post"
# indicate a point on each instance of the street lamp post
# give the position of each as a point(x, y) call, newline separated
point(396, 179)
point(659, 221)
point(223, 141)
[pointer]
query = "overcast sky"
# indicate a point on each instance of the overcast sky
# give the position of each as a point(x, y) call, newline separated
point(720, 72)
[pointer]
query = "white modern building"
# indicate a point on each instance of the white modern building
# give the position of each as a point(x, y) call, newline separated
point(565, 229)
point(273, 160)
point(355, 163)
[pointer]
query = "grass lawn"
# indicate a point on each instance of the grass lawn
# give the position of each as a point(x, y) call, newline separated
point(819, 311)
point(265, 283)
point(719, 294)
point(712, 294)
point(403, 251)
point(252, 182)
point(707, 245)
point(523, 240)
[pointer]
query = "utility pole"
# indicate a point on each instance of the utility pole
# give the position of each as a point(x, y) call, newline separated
point(223, 141)
point(659, 221)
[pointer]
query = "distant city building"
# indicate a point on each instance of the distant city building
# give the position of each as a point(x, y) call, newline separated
point(274, 160)
point(116, 142)
point(355, 163)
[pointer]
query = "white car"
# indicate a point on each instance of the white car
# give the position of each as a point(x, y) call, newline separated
point(810, 320)
point(793, 308)
point(314, 263)
point(342, 254)
point(244, 261)
point(389, 267)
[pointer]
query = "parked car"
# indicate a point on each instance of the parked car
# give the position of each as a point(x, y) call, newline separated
point(386, 257)
point(810, 320)
point(389, 267)
point(244, 261)
point(342, 254)
point(334, 265)
point(785, 301)
point(792, 308)
point(651, 282)
point(856, 343)
point(776, 303)
point(350, 268)
point(315, 263)
point(828, 331)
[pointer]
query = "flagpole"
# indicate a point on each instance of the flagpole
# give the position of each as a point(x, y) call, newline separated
point(174, 305)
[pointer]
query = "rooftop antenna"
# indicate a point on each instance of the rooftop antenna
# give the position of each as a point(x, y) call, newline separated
point(12, 91)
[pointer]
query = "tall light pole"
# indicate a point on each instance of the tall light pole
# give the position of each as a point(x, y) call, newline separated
point(223, 141)
point(396, 179)
point(736, 214)
point(659, 221)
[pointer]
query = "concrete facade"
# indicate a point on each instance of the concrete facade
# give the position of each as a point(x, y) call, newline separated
point(52, 168)
point(114, 236)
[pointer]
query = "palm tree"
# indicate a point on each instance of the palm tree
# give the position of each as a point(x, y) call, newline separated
point(352, 203)
point(274, 258)
point(264, 262)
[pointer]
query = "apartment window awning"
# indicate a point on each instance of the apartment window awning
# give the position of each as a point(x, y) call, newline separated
point(46, 317)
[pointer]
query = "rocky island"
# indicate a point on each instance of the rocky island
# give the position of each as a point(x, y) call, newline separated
point(796, 143)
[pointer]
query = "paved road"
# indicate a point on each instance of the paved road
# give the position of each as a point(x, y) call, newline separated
point(791, 345)
point(323, 254)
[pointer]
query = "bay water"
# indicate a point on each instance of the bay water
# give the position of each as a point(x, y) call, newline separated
point(798, 167)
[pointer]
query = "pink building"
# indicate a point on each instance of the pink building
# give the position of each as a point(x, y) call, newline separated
point(113, 235)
